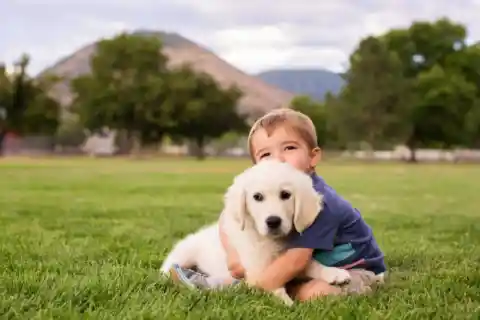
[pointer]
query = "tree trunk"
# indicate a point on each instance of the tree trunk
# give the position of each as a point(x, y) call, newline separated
point(199, 150)
point(413, 155)
point(3, 134)
point(413, 151)
point(124, 142)
point(136, 144)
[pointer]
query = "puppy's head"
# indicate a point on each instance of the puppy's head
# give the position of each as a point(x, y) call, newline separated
point(275, 196)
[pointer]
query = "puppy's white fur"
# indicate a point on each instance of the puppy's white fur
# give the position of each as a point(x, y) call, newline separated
point(267, 189)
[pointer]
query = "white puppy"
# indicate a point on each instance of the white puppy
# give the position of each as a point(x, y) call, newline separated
point(262, 207)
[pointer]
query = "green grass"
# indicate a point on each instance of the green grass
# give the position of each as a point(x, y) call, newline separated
point(85, 239)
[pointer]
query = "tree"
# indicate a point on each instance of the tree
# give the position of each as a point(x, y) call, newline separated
point(472, 125)
point(466, 61)
point(433, 56)
point(26, 106)
point(5, 102)
point(375, 98)
point(440, 115)
point(317, 113)
point(333, 108)
point(125, 89)
point(417, 85)
point(202, 109)
point(425, 44)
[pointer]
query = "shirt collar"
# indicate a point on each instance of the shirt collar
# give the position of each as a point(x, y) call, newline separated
point(318, 182)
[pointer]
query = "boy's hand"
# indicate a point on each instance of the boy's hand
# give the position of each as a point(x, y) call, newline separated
point(233, 261)
point(283, 269)
point(234, 265)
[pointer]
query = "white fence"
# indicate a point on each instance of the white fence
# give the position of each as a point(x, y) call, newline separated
point(104, 145)
point(424, 155)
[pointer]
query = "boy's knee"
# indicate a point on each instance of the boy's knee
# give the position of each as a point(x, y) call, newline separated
point(313, 289)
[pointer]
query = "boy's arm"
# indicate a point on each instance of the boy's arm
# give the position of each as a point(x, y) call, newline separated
point(233, 261)
point(283, 269)
point(320, 235)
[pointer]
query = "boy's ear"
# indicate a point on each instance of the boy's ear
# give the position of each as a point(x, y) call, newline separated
point(316, 157)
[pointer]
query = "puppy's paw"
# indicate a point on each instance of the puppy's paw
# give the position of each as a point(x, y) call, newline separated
point(288, 301)
point(334, 275)
point(282, 294)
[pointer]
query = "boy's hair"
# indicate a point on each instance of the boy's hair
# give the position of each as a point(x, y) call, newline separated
point(295, 120)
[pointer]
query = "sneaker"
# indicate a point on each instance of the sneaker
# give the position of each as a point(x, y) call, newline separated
point(190, 278)
point(197, 280)
point(362, 282)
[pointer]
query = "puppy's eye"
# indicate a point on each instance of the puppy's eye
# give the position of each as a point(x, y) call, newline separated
point(285, 195)
point(258, 197)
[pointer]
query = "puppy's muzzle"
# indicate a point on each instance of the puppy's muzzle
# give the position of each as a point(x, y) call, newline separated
point(273, 223)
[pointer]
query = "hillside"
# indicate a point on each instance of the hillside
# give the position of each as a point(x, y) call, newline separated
point(313, 82)
point(258, 95)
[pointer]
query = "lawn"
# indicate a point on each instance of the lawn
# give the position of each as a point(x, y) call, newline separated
point(85, 239)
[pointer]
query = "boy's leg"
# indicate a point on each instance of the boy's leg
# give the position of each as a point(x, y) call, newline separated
point(311, 289)
point(197, 280)
point(361, 282)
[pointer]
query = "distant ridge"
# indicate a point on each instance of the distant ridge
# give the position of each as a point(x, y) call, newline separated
point(259, 96)
point(312, 82)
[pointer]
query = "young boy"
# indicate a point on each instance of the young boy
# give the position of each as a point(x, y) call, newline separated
point(339, 236)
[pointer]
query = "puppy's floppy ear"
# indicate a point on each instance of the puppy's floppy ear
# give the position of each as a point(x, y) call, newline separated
point(235, 202)
point(308, 203)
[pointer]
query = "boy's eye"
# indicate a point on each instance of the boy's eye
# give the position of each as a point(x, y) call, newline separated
point(266, 154)
point(290, 147)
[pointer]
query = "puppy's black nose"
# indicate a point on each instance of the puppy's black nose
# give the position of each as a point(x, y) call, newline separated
point(273, 222)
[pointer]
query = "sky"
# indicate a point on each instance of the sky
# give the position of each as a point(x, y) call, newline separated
point(252, 35)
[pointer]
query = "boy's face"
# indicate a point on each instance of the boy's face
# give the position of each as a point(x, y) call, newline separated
point(285, 145)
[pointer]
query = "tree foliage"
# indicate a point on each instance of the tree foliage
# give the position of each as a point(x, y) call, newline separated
point(125, 88)
point(443, 104)
point(203, 110)
point(130, 88)
point(376, 97)
point(317, 112)
point(26, 107)
point(419, 86)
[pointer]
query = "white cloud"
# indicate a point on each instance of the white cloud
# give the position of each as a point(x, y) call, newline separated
point(96, 26)
point(269, 43)
point(272, 46)
point(253, 35)
point(48, 50)
point(323, 34)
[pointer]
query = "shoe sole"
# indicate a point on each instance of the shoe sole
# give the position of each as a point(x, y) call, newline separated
point(177, 278)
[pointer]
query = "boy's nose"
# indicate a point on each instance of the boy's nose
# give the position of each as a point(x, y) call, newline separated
point(280, 157)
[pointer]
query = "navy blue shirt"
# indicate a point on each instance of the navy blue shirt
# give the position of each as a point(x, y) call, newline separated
point(339, 236)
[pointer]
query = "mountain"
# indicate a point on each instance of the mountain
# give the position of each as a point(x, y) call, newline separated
point(258, 95)
point(313, 82)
